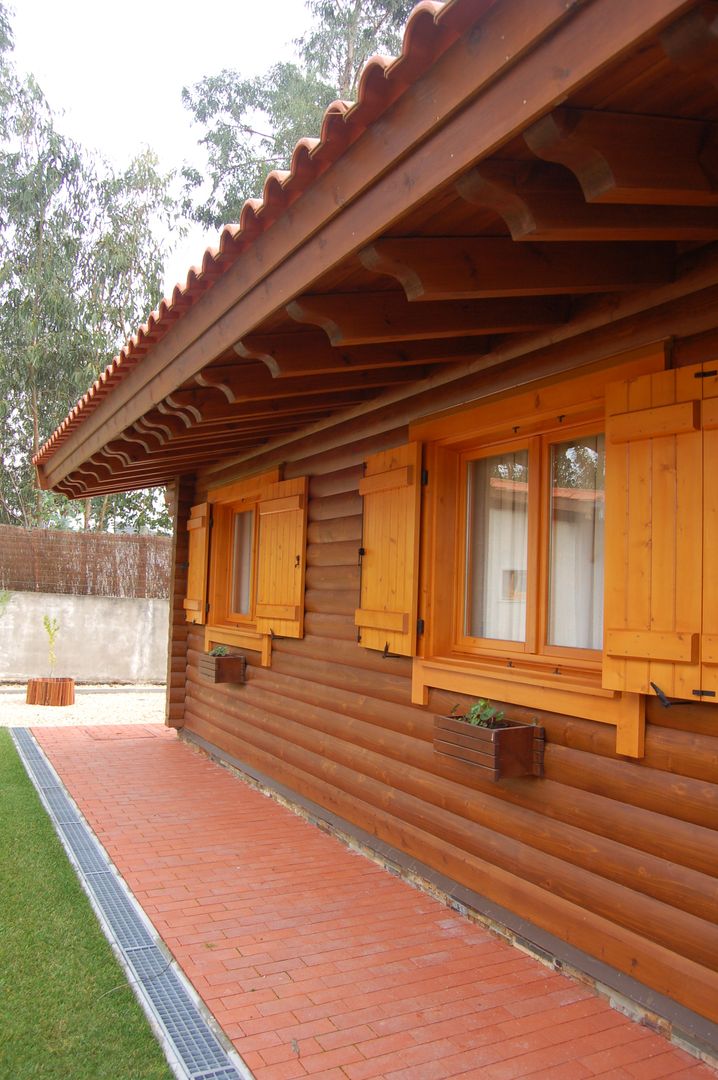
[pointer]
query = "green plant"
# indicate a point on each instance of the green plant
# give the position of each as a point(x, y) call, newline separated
point(481, 713)
point(52, 629)
point(219, 650)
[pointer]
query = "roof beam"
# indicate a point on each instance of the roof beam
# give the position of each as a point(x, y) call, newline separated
point(627, 158)
point(544, 202)
point(234, 384)
point(692, 43)
point(355, 319)
point(295, 354)
point(472, 268)
point(483, 91)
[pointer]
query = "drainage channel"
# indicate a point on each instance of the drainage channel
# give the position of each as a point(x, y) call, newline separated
point(192, 1048)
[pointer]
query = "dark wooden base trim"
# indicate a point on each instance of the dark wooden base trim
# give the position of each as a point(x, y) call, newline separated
point(694, 1032)
point(50, 691)
point(512, 750)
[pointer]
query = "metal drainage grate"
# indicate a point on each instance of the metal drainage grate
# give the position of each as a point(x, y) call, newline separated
point(198, 1053)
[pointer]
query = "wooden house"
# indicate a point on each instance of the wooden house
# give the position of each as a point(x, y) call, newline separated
point(441, 419)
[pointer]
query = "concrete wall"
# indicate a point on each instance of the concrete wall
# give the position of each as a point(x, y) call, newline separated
point(101, 639)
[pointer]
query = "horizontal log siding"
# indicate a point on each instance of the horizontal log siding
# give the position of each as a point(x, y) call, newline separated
point(619, 858)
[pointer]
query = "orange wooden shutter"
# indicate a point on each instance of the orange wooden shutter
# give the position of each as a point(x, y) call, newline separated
point(654, 541)
point(195, 603)
point(391, 488)
point(281, 559)
point(709, 640)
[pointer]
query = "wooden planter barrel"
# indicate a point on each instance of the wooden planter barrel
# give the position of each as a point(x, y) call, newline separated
point(218, 669)
point(50, 691)
point(511, 750)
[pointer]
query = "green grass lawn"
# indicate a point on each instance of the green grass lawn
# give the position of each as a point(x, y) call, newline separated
point(57, 1019)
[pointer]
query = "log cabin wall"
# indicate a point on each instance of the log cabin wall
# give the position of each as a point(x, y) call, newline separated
point(618, 858)
point(181, 500)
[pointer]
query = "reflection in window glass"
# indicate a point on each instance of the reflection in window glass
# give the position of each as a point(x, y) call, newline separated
point(496, 547)
point(242, 542)
point(575, 616)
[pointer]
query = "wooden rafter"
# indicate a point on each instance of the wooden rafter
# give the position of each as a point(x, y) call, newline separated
point(544, 202)
point(463, 268)
point(374, 317)
point(626, 158)
point(692, 43)
point(294, 354)
point(233, 383)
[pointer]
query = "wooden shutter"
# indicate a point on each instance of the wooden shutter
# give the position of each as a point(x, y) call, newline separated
point(195, 603)
point(281, 559)
point(391, 488)
point(709, 641)
point(654, 534)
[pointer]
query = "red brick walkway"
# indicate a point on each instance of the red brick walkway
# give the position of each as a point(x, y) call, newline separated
point(315, 961)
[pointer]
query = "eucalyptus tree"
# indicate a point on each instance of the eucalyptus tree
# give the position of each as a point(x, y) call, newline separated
point(80, 267)
point(251, 125)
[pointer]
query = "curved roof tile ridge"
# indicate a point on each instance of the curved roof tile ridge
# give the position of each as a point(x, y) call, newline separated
point(431, 26)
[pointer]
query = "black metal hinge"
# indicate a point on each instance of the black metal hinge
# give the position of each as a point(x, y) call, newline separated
point(704, 374)
point(424, 477)
point(703, 693)
point(419, 627)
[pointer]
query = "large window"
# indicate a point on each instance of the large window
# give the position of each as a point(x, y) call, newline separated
point(532, 563)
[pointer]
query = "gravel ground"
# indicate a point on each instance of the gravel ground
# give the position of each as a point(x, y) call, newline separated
point(93, 705)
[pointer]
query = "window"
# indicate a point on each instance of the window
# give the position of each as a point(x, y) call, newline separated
point(532, 562)
point(516, 560)
point(247, 562)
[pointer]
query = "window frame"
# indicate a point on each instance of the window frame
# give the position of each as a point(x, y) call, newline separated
point(559, 679)
point(221, 564)
point(535, 649)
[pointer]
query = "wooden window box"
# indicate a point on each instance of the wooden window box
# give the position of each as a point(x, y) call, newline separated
point(219, 669)
point(512, 750)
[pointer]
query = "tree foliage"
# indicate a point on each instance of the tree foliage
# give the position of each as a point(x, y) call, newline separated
point(80, 267)
point(251, 125)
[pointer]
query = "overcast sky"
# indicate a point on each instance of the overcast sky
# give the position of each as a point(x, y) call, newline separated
point(116, 71)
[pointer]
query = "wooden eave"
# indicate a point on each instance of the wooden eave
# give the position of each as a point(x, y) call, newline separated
point(515, 195)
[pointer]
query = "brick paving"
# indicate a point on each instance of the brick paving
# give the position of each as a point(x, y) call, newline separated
point(315, 961)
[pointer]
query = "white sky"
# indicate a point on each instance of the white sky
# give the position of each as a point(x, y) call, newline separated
point(116, 71)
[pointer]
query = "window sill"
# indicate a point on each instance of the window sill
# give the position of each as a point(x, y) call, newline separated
point(245, 638)
point(565, 694)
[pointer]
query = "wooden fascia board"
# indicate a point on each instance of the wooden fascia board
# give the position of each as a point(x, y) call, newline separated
point(527, 59)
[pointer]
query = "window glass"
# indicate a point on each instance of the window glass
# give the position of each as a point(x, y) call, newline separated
point(242, 544)
point(496, 546)
point(575, 615)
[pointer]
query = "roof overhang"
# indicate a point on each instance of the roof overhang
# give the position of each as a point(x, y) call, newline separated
point(499, 189)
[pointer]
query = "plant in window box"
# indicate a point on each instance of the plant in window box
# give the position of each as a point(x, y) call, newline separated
point(220, 665)
point(53, 689)
point(483, 737)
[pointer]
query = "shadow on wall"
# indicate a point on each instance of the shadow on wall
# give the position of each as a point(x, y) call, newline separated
point(100, 639)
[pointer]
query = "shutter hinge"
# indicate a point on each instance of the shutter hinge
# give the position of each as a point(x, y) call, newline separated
point(206, 608)
point(424, 477)
point(666, 702)
point(420, 627)
point(704, 375)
